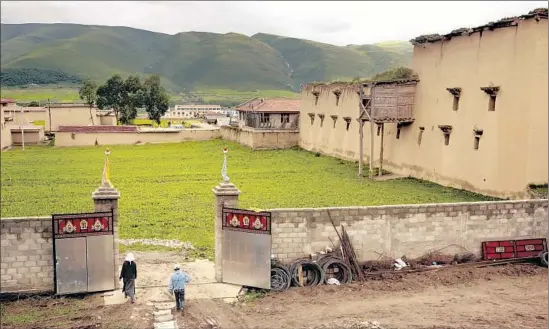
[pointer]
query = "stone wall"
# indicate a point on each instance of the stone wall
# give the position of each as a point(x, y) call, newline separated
point(26, 262)
point(410, 230)
point(259, 139)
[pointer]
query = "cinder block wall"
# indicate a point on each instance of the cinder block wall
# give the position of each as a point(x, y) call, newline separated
point(26, 258)
point(410, 230)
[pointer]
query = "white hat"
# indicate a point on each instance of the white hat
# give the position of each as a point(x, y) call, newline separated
point(176, 267)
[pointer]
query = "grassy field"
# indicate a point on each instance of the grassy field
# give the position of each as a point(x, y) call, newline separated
point(167, 188)
point(62, 94)
point(212, 96)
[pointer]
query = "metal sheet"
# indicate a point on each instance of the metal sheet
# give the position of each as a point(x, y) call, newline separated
point(71, 270)
point(100, 258)
point(247, 259)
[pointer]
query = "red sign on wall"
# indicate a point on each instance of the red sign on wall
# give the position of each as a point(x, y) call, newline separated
point(508, 249)
point(246, 221)
point(74, 225)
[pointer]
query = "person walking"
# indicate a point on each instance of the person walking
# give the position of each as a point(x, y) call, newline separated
point(178, 279)
point(129, 274)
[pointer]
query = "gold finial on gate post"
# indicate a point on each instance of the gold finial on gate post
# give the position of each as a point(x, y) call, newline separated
point(105, 180)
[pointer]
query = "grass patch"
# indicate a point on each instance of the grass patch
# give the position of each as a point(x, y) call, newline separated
point(59, 94)
point(166, 189)
point(229, 97)
point(39, 123)
point(164, 123)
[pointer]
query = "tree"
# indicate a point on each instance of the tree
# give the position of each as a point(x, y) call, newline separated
point(131, 98)
point(110, 95)
point(88, 93)
point(34, 104)
point(155, 99)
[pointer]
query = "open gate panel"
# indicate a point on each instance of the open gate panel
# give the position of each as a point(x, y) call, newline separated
point(246, 247)
point(509, 249)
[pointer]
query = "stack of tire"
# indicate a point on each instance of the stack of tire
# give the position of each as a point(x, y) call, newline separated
point(543, 256)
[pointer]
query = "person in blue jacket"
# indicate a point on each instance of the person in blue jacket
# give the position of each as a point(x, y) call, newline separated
point(178, 279)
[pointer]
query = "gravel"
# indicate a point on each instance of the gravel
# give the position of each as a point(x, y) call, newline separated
point(158, 242)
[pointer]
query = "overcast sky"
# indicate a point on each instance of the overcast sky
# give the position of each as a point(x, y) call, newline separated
point(339, 23)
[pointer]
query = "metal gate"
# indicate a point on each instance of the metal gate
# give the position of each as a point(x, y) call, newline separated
point(247, 247)
point(83, 249)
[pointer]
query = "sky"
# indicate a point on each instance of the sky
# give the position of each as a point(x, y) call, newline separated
point(338, 22)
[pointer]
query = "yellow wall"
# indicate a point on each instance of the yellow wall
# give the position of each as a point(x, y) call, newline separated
point(513, 149)
point(86, 139)
point(30, 114)
point(33, 136)
point(5, 134)
point(70, 116)
point(261, 139)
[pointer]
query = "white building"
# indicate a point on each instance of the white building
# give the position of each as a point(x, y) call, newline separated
point(192, 111)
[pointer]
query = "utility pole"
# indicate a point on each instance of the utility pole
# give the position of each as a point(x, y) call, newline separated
point(49, 112)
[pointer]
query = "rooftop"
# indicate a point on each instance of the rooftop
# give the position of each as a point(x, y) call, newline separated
point(7, 100)
point(98, 129)
point(273, 105)
point(537, 14)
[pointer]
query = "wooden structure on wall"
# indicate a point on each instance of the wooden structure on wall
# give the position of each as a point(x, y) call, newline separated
point(387, 102)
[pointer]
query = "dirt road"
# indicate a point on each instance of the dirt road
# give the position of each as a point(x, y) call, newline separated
point(512, 296)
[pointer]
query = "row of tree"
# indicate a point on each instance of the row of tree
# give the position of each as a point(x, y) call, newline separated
point(125, 97)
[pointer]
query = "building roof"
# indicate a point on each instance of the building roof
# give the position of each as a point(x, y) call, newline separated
point(537, 14)
point(98, 129)
point(273, 105)
point(7, 100)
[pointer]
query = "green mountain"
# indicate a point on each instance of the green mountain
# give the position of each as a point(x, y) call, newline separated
point(189, 60)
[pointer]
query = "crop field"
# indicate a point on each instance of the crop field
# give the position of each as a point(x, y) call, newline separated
point(42, 94)
point(166, 189)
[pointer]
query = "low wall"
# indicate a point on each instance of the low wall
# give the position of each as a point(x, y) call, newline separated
point(26, 258)
point(66, 138)
point(410, 230)
point(261, 138)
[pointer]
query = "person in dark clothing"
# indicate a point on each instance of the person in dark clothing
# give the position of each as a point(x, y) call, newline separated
point(129, 274)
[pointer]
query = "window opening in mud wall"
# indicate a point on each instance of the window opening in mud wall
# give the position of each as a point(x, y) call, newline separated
point(478, 134)
point(492, 93)
point(264, 117)
point(446, 130)
point(316, 94)
point(420, 135)
point(312, 116)
point(337, 94)
point(334, 117)
point(456, 93)
point(347, 123)
point(398, 131)
point(284, 118)
point(321, 117)
point(378, 129)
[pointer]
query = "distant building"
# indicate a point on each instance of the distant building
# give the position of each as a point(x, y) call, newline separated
point(192, 111)
point(275, 113)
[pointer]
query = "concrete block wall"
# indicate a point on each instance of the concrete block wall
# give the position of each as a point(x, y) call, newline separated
point(26, 262)
point(410, 230)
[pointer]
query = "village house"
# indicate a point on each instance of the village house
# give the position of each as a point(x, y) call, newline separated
point(476, 118)
point(276, 113)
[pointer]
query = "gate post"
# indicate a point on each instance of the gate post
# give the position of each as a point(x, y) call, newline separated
point(105, 198)
point(226, 194)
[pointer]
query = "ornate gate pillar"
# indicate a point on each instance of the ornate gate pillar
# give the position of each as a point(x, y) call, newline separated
point(105, 198)
point(226, 194)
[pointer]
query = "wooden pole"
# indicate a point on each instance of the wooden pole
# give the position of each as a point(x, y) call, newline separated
point(380, 172)
point(22, 129)
point(49, 112)
point(372, 126)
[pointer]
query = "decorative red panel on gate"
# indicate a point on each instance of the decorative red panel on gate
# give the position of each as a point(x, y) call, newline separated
point(498, 249)
point(529, 247)
point(76, 225)
point(246, 221)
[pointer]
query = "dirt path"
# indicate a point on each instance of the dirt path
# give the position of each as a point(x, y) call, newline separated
point(513, 296)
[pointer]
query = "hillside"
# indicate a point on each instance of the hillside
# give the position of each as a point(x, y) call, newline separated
point(190, 60)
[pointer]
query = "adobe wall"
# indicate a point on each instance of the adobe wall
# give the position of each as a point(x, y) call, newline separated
point(410, 230)
point(261, 138)
point(127, 138)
